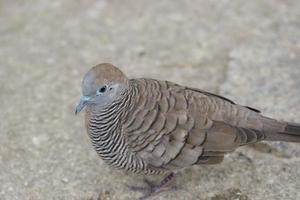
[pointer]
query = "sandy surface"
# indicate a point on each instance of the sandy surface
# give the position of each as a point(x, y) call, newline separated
point(246, 50)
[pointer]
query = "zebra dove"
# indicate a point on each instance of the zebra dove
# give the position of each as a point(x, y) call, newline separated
point(158, 127)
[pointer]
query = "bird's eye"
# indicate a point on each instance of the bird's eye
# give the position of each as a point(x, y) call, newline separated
point(102, 89)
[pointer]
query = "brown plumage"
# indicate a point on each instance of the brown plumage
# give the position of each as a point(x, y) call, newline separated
point(150, 126)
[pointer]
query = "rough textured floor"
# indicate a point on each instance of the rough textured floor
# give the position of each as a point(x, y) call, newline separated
point(246, 50)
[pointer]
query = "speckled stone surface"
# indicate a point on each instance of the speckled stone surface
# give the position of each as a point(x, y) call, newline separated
point(246, 50)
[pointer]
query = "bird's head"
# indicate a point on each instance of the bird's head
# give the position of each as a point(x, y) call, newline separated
point(101, 85)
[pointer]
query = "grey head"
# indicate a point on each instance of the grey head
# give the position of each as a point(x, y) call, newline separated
point(101, 85)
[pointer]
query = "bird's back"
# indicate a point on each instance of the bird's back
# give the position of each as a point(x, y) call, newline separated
point(171, 126)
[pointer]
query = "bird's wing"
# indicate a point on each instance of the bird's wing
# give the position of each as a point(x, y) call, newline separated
point(220, 97)
point(173, 127)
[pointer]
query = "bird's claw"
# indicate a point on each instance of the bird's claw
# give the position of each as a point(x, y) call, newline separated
point(153, 189)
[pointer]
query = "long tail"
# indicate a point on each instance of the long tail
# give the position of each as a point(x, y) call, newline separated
point(280, 131)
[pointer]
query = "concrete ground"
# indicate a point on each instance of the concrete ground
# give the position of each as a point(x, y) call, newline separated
point(248, 51)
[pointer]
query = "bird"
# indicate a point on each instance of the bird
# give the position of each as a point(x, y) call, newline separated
point(150, 126)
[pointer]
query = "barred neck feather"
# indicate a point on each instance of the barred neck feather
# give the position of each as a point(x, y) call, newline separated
point(105, 131)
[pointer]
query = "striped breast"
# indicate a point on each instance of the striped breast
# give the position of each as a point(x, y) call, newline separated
point(104, 127)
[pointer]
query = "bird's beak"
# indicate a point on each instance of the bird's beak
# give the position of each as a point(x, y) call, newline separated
point(82, 103)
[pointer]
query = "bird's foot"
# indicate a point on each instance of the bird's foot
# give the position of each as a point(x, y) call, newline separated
point(153, 189)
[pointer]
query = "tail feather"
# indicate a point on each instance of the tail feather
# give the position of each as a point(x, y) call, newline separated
point(281, 131)
point(292, 129)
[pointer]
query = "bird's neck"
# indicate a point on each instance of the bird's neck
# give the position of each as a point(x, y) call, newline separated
point(105, 129)
point(104, 122)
